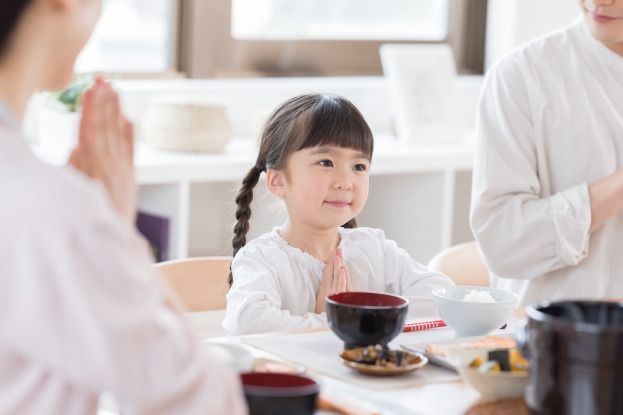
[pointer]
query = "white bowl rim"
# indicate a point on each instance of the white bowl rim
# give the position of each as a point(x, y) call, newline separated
point(499, 375)
point(436, 293)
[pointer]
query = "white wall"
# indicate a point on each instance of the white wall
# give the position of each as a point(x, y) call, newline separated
point(513, 22)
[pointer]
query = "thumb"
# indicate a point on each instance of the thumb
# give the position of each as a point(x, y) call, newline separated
point(73, 158)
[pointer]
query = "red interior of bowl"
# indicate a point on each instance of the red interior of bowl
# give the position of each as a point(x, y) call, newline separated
point(278, 384)
point(276, 380)
point(355, 298)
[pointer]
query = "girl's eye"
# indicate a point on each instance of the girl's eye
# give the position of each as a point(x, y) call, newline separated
point(326, 163)
point(361, 167)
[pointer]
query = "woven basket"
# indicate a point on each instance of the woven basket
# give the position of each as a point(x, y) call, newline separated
point(184, 123)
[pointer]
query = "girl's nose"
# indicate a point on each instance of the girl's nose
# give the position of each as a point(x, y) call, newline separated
point(593, 4)
point(343, 182)
point(344, 185)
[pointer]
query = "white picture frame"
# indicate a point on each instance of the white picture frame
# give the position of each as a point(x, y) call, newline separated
point(420, 81)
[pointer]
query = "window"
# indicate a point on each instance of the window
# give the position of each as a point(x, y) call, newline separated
point(132, 36)
point(340, 19)
point(239, 38)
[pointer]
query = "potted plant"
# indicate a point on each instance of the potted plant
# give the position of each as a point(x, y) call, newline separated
point(59, 119)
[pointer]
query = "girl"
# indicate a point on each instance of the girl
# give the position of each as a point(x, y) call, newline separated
point(81, 310)
point(316, 151)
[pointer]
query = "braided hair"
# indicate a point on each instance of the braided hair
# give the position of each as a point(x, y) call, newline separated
point(301, 122)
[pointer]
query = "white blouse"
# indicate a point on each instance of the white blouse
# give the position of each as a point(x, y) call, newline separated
point(550, 123)
point(82, 309)
point(276, 285)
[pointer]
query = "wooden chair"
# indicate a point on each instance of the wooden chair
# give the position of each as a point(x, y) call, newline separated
point(200, 283)
point(462, 263)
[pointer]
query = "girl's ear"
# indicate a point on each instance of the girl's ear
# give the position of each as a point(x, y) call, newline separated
point(276, 182)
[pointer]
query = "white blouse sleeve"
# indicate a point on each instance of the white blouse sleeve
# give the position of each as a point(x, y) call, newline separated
point(409, 278)
point(521, 234)
point(86, 305)
point(254, 300)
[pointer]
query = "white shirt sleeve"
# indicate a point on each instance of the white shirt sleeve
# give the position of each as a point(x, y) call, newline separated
point(254, 300)
point(522, 235)
point(99, 320)
point(409, 278)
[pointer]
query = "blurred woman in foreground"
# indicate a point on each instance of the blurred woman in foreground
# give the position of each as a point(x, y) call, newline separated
point(81, 310)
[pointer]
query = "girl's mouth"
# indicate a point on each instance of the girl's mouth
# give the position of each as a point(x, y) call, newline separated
point(337, 203)
point(600, 19)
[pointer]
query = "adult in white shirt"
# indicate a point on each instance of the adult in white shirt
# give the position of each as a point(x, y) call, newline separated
point(82, 310)
point(547, 195)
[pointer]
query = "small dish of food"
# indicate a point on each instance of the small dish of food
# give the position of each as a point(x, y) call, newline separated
point(382, 361)
point(496, 374)
point(438, 352)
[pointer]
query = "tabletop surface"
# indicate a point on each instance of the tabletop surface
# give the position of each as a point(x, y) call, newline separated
point(429, 390)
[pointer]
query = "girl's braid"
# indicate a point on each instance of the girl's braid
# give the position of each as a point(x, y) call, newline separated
point(243, 212)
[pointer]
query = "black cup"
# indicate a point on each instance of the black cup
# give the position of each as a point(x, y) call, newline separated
point(279, 394)
point(575, 350)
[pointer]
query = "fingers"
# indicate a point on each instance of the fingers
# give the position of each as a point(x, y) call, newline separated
point(335, 279)
point(341, 280)
point(128, 138)
point(328, 271)
point(102, 126)
point(114, 121)
point(93, 126)
point(76, 161)
point(339, 253)
point(336, 273)
point(86, 118)
point(99, 80)
point(349, 285)
point(105, 150)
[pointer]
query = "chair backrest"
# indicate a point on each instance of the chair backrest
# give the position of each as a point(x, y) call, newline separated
point(462, 263)
point(201, 283)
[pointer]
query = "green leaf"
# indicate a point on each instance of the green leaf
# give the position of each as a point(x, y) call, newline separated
point(71, 97)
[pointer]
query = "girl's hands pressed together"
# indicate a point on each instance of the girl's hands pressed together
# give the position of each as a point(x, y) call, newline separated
point(334, 280)
point(105, 149)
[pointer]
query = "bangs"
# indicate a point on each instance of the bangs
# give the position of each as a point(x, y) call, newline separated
point(335, 121)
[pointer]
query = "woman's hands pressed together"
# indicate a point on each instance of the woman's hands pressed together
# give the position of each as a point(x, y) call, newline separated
point(105, 149)
point(334, 280)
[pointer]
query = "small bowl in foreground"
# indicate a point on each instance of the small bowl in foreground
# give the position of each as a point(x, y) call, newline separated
point(471, 318)
point(279, 393)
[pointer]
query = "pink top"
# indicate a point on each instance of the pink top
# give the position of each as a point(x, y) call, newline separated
point(82, 309)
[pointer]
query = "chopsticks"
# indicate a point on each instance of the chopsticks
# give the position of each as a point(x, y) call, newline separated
point(423, 325)
point(428, 325)
point(330, 404)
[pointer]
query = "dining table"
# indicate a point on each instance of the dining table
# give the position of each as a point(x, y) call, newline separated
point(431, 389)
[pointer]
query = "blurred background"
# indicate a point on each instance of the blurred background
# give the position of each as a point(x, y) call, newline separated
point(241, 38)
point(199, 77)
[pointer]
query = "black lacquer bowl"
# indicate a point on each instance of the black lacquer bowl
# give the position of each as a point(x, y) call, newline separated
point(279, 393)
point(364, 318)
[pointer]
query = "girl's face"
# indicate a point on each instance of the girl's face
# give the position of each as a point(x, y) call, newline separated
point(325, 186)
point(604, 19)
